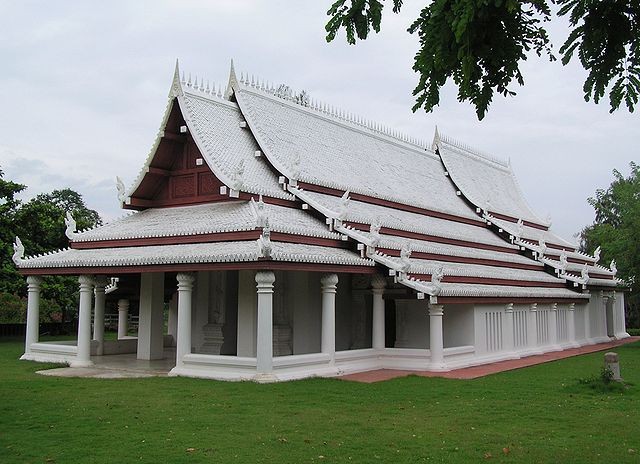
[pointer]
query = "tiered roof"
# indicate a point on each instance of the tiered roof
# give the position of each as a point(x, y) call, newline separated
point(292, 183)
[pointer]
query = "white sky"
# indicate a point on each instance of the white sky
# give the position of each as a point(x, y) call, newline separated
point(83, 86)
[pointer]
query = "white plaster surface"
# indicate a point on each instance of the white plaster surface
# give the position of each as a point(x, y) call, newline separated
point(208, 218)
point(385, 168)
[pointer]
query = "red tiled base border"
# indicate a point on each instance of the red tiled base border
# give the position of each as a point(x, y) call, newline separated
point(486, 369)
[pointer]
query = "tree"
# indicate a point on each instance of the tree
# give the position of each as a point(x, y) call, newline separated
point(40, 221)
point(480, 44)
point(286, 92)
point(40, 225)
point(616, 230)
point(9, 205)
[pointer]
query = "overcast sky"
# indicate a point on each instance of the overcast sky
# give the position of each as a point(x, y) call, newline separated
point(84, 84)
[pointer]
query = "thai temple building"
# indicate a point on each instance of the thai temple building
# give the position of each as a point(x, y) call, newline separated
point(286, 239)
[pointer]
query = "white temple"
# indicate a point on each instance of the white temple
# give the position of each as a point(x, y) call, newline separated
point(290, 239)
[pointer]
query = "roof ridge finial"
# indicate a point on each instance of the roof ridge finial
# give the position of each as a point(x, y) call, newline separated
point(233, 82)
point(436, 138)
point(176, 84)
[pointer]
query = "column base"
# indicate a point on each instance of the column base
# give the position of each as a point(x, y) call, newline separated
point(78, 363)
point(438, 367)
point(265, 378)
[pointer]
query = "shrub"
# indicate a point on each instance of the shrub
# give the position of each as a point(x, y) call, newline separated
point(603, 382)
point(13, 309)
point(633, 332)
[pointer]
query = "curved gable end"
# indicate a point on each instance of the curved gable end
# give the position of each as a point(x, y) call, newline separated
point(488, 183)
point(316, 148)
point(201, 152)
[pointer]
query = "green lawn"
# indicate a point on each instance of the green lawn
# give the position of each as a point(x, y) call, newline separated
point(538, 414)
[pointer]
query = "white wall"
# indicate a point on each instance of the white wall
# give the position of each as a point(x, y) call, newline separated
point(458, 325)
point(304, 299)
point(412, 324)
point(247, 313)
point(150, 328)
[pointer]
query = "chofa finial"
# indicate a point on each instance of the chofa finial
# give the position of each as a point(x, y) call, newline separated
point(264, 242)
point(122, 191)
point(70, 223)
point(260, 212)
point(18, 250)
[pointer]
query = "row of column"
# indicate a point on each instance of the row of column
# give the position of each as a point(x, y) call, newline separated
point(90, 286)
point(264, 331)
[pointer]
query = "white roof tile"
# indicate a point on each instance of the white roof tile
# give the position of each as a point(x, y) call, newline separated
point(343, 156)
point(205, 219)
point(396, 243)
point(533, 234)
point(215, 127)
point(482, 179)
point(428, 266)
point(217, 252)
point(367, 213)
point(473, 290)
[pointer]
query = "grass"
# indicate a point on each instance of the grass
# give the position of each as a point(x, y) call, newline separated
point(538, 414)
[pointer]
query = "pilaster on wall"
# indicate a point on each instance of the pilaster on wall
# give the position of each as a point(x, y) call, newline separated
point(436, 338)
point(508, 328)
point(532, 328)
point(571, 325)
point(619, 316)
point(587, 322)
point(553, 326)
point(378, 284)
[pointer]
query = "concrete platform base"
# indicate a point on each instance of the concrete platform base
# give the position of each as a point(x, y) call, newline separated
point(486, 369)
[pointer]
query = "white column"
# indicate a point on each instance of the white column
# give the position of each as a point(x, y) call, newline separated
point(33, 312)
point(83, 355)
point(98, 313)
point(436, 339)
point(151, 317)
point(328, 284)
point(571, 324)
point(509, 335)
point(378, 283)
point(532, 326)
point(183, 341)
point(123, 318)
point(553, 325)
point(264, 338)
